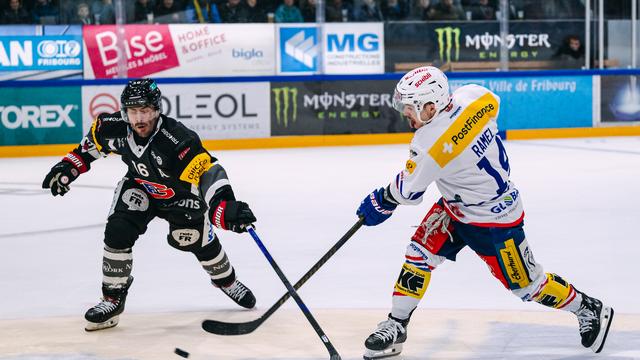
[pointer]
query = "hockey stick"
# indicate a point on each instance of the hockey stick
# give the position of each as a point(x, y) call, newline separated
point(225, 328)
point(325, 339)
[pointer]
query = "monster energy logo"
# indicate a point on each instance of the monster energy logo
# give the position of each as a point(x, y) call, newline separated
point(447, 37)
point(284, 98)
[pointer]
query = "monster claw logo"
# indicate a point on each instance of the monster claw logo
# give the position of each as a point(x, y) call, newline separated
point(286, 102)
point(447, 38)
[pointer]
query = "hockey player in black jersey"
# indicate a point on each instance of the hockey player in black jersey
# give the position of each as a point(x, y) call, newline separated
point(170, 175)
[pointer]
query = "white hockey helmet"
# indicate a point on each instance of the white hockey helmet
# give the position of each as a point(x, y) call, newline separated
point(421, 86)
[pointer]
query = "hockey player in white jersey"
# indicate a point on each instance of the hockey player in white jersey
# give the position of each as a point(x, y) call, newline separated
point(456, 145)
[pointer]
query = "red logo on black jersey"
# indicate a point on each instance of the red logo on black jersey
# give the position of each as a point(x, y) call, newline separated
point(157, 191)
point(183, 153)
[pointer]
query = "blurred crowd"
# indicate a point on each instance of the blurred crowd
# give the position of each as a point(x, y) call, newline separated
point(91, 12)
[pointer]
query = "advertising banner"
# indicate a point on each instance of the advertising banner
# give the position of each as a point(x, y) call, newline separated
point(540, 102)
point(180, 50)
point(442, 42)
point(620, 99)
point(26, 54)
point(42, 115)
point(298, 49)
point(214, 111)
point(334, 107)
point(354, 48)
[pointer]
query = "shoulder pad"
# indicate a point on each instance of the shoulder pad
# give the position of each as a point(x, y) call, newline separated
point(177, 134)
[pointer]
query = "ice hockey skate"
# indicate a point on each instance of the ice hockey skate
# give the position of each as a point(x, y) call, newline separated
point(240, 294)
point(594, 319)
point(105, 314)
point(387, 340)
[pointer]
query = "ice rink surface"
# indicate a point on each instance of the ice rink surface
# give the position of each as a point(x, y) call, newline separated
point(581, 201)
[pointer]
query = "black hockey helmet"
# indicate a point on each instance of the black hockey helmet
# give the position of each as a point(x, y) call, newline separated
point(140, 92)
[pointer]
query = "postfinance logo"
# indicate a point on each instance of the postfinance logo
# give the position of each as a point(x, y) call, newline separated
point(464, 129)
point(286, 104)
point(448, 38)
point(298, 49)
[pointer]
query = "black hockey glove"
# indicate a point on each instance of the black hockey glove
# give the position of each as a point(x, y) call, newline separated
point(231, 215)
point(64, 173)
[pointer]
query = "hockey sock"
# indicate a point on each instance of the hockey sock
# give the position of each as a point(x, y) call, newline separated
point(557, 293)
point(219, 269)
point(409, 289)
point(116, 267)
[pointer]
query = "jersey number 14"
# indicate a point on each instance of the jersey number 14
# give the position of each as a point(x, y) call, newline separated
point(485, 165)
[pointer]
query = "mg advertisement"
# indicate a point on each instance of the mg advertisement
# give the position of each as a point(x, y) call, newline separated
point(354, 48)
point(214, 111)
point(334, 107)
point(540, 102)
point(34, 116)
point(179, 50)
point(50, 53)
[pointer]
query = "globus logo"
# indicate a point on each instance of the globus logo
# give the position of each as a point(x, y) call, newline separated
point(103, 103)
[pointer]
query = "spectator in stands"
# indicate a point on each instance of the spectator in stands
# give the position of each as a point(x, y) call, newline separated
point(308, 10)
point(338, 11)
point(142, 9)
point(168, 12)
point(103, 12)
point(233, 11)
point(482, 10)
point(571, 51)
point(257, 14)
point(14, 14)
point(287, 12)
point(395, 10)
point(421, 10)
point(446, 10)
point(368, 11)
point(82, 15)
point(44, 12)
point(202, 11)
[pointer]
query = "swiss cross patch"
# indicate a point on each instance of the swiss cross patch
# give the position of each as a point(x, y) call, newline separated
point(157, 191)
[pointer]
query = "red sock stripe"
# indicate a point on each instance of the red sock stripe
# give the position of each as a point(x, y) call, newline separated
point(395, 293)
point(572, 295)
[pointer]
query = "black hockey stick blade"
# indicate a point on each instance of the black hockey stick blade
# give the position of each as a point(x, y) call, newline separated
point(227, 328)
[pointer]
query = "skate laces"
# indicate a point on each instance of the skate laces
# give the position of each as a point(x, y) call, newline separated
point(236, 291)
point(388, 330)
point(106, 305)
point(586, 318)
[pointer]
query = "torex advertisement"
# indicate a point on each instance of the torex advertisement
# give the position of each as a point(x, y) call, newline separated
point(214, 111)
point(179, 50)
point(334, 107)
point(42, 115)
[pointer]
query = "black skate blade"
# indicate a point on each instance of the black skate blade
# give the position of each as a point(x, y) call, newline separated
point(607, 315)
point(101, 326)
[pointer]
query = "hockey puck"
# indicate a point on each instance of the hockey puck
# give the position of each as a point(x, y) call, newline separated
point(181, 352)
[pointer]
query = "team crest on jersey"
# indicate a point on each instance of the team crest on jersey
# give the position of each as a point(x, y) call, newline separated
point(410, 166)
point(157, 191)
